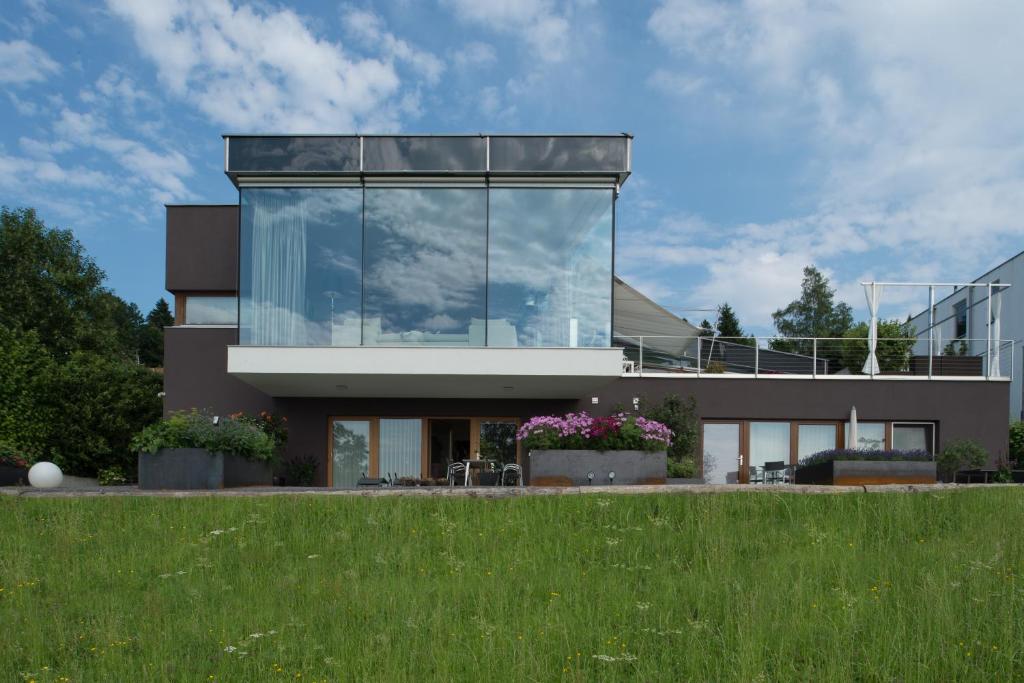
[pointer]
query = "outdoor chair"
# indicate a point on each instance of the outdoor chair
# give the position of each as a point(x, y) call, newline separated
point(756, 475)
point(775, 472)
point(456, 474)
point(511, 473)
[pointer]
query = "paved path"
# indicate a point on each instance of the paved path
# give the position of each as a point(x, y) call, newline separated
point(488, 491)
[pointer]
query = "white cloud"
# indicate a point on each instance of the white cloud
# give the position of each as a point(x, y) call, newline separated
point(475, 55)
point(907, 114)
point(23, 62)
point(677, 84)
point(22, 171)
point(251, 68)
point(545, 30)
point(369, 29)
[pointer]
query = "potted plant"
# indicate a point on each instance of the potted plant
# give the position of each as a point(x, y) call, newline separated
point(14, 464)
point(192, 450)
point(856, 467)
point(580, 450)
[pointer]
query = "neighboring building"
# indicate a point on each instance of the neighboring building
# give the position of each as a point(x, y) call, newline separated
point(960, 327)
point(408, 300)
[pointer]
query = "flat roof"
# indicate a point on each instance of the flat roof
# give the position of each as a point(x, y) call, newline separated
point(571, 156)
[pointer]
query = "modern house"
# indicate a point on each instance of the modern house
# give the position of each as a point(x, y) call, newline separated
point(958, 324)
point(408, 300)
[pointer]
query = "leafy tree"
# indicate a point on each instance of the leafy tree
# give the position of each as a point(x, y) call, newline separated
point(151, 335)
point(895, 343)
point(1017, 443)
point(814, 314)
point(729, 326)
point(679, 415)
point(71, 388)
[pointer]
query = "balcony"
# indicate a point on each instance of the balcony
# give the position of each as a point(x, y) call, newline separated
point(904, 358)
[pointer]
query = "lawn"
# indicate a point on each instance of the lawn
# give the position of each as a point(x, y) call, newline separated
point(661, 587)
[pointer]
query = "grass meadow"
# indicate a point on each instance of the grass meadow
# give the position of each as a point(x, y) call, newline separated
point(744, 587)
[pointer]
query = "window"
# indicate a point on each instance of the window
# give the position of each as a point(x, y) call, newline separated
point(960, 315)
point(913, 436)
point(870, 436)
point(425, 267)
point(300, 267)
point(769, 441)
point(211, 310)
point(549, 267)
point(814, 438)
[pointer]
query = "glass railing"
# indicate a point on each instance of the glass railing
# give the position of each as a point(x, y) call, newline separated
point(815, 357)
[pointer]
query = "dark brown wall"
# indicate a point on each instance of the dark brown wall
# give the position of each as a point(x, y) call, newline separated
point(202, 248)
point(964, 409)
point(196, 373)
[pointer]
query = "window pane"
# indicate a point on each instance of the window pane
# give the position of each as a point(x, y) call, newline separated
point(312, 154)
point(413, 153)
point(769, 442)
point(498, 441)
point(870, 436)
point(912, 437)
point(721, 453)
point(554, 154)
point(400, 447)
point(211, 310)
point(813, 439)
point(299, 267)
point(550, 267)
point(351, 451)
point(424, 267)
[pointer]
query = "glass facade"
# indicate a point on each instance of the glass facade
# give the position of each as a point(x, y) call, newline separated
point(426, 266)
point(550, 267)
point(300, 270)
point(211, 310)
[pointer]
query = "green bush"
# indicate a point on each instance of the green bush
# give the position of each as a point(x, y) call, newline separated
point(111, 476)
point(679, 415)
point(961, 454)
point(1017, 443)
point(193, 429)
point(682, 470)
point(18, 457)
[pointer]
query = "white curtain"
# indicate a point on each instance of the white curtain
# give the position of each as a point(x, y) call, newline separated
point(278, 269)
point(873, 293)
point(993, 359)
point(400, 444)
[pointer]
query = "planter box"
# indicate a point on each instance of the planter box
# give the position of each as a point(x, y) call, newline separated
point(197, 468)
point(860, 472)
point(11, 475)
point(570, 468)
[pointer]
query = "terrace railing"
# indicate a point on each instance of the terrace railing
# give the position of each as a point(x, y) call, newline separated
point(831, 357)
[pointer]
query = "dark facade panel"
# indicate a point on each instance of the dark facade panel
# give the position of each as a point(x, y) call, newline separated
point(963, 410)
point(297, 154)
point(202, 249)
point(196, 373)
point(425, 153)
point(560, 154)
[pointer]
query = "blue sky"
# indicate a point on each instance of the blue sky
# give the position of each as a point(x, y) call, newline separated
point(875, 140)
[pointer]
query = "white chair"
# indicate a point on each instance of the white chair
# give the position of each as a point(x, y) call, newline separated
point(457, 473)
point(513, 471)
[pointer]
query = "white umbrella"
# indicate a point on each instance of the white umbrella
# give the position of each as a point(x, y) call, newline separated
point(853, 428)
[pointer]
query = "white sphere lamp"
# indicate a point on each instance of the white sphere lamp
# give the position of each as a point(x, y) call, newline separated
point(45, 475)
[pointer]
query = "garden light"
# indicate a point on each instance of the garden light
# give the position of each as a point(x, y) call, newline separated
point(45, 475)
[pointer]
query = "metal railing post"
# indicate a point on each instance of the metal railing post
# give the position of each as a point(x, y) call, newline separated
point(698, 356)
point(757, 356)
point(814, 348)
point(641, 356)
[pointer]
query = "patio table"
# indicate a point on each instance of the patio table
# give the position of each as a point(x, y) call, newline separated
point(476, 463)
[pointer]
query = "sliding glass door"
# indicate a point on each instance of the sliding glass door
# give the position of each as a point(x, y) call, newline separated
point(350, 451)
point(721, 449)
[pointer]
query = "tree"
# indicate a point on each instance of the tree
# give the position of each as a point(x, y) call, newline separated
point(729, 327)
point(814, 314)
point(895, 342)
point(151, 335)
point(71, 387)
point(706, 329)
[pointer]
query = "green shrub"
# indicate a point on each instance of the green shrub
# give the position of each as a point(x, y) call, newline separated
point(679, 415)
point(17, 457)
point(682, 470)
point(1017, 443)
point(111, 476)
point(961, 454)
point(299, 470)
point(193, 429)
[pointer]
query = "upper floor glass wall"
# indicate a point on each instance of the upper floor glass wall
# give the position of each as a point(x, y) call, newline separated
point(300, 267)
point(426, 266)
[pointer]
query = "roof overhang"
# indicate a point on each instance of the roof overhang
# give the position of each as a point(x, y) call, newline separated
point(425, 372)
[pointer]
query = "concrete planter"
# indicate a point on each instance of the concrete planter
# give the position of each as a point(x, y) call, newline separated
point(859, 472)
point(197, 468)
point(570, 468)
point(12, 475)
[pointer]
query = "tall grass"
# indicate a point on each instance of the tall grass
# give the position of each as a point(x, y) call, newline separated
point(580, 588)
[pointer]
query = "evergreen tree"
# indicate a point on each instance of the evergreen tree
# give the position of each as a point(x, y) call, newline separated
point(814, 314)
point(729, 326)
point(151, 335)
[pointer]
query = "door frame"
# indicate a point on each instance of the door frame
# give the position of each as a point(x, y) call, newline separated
point(744, 440)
